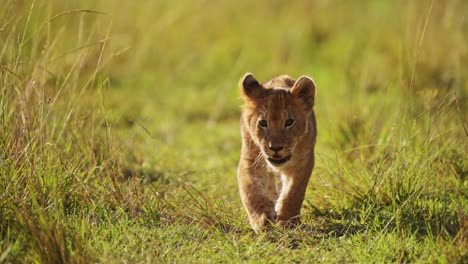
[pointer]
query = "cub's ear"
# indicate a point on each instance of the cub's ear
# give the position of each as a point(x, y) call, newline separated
point(250, 89)
point(304, 89)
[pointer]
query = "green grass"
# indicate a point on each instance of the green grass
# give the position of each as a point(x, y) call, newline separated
point(119, 129)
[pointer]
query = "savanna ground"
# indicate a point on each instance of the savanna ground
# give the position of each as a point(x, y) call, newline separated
point(119, 129)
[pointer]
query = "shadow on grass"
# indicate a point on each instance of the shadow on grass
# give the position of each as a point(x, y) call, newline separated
point(422, 217)
point(145, 175)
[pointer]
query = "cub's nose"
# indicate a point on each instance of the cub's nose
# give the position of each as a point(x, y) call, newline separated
point(275, 148)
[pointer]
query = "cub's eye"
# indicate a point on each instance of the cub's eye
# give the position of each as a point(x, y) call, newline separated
point(289, 122)
point(263, 123)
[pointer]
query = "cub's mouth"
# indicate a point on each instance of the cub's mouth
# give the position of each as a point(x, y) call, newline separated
point(278, 160)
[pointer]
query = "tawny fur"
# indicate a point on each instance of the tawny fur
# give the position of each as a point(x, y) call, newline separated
point(275, 102)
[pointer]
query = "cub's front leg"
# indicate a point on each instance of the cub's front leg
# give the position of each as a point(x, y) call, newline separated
point(253, 183)
point(288, 206)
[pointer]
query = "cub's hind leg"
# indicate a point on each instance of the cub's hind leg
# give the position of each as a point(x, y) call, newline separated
point(271, 186)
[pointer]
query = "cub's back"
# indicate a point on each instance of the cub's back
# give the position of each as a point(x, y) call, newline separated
point(282, 81)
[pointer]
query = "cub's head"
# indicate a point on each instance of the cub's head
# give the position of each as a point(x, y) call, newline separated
point(277, 114)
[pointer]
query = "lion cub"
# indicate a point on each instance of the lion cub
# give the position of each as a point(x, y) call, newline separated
point(279, 131)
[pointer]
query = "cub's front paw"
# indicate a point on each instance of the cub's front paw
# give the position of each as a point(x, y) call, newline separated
point(288, 222)
point(263, 221)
